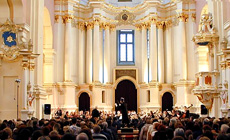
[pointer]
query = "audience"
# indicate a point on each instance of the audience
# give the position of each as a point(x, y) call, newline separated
point(151, 126)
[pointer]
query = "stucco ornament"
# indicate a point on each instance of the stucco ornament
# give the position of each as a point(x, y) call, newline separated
point(10, 43)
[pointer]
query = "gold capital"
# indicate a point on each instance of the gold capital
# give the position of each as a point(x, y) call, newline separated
point(112, 27)
point(81, 25)
point(138, 26)
point(89, 25)
point(56, 18)
point(153, 20)
point(67, 18)
point(193, 17)
point(96, 20)
point(160, 24)
point(168, 24)
point(182, 17)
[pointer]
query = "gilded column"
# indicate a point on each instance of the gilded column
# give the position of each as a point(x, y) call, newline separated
point(96, 52)
point(153, 50)
point(68, 47)
point(107, 74)
point(81, 28)
point(160, 25)
point(168, 52)
point(182, 45)
point(89, 54)
point(144, 53)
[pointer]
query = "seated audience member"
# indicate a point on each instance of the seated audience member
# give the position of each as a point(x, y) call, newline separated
point(178, 138)
point(224, 128)
point(97, 135)
point(36, 134)
point(44, 138)
point(82, 136)
point(144, 129)
point(179, 132)
point(68, 137)
point(75, 129)
point(88, 132)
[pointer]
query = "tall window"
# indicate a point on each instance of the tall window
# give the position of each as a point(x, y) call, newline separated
point(125, 47)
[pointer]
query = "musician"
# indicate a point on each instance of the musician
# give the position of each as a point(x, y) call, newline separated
point(186, 112)
point(123, 107)
point(95, 115)
point(59, 112)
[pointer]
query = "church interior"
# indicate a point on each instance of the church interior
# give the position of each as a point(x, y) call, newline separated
point(80, 54)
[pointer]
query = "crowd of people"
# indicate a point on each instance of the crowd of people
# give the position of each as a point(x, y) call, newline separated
point(101, 126)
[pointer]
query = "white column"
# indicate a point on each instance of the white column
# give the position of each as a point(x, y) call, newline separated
point(215, 57)
point(107, 73)
point(144, 54)
point(153, 52)
point(168, 52)
point(182, 45)
point(96, 52)
point(59, 45)
point(160, 53)
point(89, 51)
point(24, 86)
point(81, 53)
point(68, 49)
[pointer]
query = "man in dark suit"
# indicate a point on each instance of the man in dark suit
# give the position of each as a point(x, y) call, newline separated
point(122, 106)
point(59, 112)
point(95, 115)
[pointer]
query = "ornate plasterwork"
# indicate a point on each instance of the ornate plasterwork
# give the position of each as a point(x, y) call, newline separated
point(125, 17)
point(207, 33)
point(10, 40)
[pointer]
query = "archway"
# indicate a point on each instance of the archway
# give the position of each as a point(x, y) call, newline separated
point(84, 102)
point(167, 101)
point(127, 90)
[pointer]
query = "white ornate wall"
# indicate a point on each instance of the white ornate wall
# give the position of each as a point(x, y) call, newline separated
point(68, 36)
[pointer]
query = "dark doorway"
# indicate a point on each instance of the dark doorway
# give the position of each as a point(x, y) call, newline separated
point(167, 101)
point(127, 90)
point(84, 102)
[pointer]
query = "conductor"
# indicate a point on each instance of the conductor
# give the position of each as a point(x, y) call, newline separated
point(122, 106)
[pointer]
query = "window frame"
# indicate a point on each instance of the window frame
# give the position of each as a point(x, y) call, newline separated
point(119, 62)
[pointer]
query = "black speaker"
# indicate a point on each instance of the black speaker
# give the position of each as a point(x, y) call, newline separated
point(204, 110)
point(47, 109)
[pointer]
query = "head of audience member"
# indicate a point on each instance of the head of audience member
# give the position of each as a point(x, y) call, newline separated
point(88, 132)
point(179, 132)
point(68, 137)
point(82, 136)
point(96, 129)
point(222, 137)
point(36, 134)
point(9, 132)
point(44, 138)
point(224, 128)
point(178, 138)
